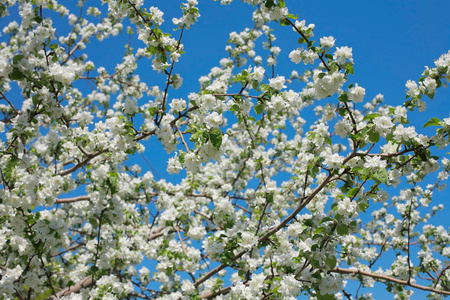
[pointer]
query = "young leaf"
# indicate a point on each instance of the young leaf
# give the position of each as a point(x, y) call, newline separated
point(216, 138)
point(259, 108)
point(381, 175)
point(433, 122)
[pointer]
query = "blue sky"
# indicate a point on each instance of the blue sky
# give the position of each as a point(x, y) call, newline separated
point(392, 41)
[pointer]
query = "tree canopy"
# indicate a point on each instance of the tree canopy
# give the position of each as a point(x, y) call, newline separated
point(291, 183)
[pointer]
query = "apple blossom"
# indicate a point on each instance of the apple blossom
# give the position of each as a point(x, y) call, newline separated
point(276, 197)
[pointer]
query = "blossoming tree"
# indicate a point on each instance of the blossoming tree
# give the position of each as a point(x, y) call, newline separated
point(79, 222)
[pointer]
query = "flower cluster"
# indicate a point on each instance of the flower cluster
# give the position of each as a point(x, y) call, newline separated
point(273, 198)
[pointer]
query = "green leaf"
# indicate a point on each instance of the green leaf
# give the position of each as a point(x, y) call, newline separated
point(113, 179)
point(381, 175)
point(352, 192)
point(344, 97)
point(259, 108)
point(16, 75)
point(324, 297)
point(315, 263)
point(342, 229)
point(433, 122)
point(349, 68)
point(331, 262)
point(216, 138)
point(269, 3)
point(371, 116)
point(94, 222)
point(319, 229)
point(93, 269)
point(291, 16)
point(17, 58)
point(284, 22)
point(363, 206)
point(300, 41)
point(326, 219)
point(342, 111)
point(374, 136)
point(235, 108)
point(269, 197)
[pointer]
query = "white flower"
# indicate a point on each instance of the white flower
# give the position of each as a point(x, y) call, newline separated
point(447, 121)
point(383, 124)
point(258, 73)
point(327, 41)
point(174, 166)
point(84, 118)
point(277, 83)
point(277, 103)
point(208, 101)
point(343, 53)
point(14, 274)
point(300, 25)
point(296, 56)
point(214, 120)
point(278, 12)
point(404, 134)
point(374, 162)
point(63, 74)
point(333, 161)
point(191, 162)
point(187, 287)
point(157, 15)
point(248, 240)
point(346, 207)
point(130, 106)
point(343, 127)
point(309, 56)
point(177, 81)
point(356, 93)
point(413, 89)
point(177, 105)
point(430, 84)
point(328, 84)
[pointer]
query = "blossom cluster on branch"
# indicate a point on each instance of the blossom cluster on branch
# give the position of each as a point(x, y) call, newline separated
point(79, 222)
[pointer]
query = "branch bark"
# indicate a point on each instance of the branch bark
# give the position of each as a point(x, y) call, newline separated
point(391, 279)
point(82, 284)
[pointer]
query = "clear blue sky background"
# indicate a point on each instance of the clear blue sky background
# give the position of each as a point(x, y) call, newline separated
point(392, 41)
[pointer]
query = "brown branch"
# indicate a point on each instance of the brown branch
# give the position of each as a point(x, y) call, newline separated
point(73, 199)
point(135, 294)
point(82, 284)
point(73, 50)
point(237, 95)
point(307, 41)
point(182, 138)
point(9, 102)
point(69, 249)
point(440, 275)
point(18, 294)
point(83, 162)
point(93, 155)
point(390, 279)
point(159, 232)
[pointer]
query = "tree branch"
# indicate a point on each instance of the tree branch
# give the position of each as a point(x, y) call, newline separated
point(390, 279)
point(82, 284)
